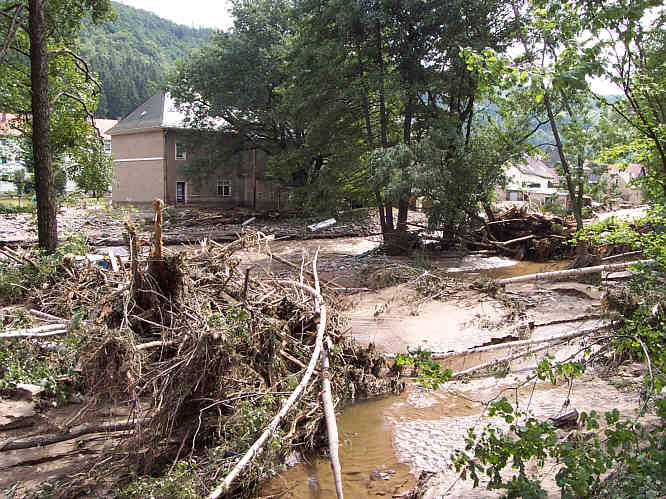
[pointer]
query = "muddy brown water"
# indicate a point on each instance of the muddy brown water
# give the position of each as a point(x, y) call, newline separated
point(386, 443)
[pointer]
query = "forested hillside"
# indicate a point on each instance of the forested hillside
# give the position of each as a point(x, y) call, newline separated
point(133, 54)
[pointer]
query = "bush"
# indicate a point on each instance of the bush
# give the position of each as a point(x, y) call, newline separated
point(12, 209)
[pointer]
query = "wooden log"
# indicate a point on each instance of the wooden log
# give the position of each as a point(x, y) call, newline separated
point(513, 344)
point(586, 317)
point(622, 255)
point(114, 263)
point(36, 332)
point(567, 419)
point(509, 358)
point(48, 317)
point(154, 344)
point(253, 451)
point(11, 256)
point(9, 251)
point(63, 436)
point(293, 359)
point(157, 236)
point(517, 240)
point(327, 400)
point(571, 272)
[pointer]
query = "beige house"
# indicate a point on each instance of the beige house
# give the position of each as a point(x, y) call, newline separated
point(622, 178)
point(152, 146)
point(532, 172)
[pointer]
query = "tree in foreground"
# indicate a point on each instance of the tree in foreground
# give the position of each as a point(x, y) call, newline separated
point(36, 40)
point(347, 87)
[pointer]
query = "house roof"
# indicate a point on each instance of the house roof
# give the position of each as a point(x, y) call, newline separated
point(533, 165)
point(631, 171)
point(6, 128)
point(6, 119)
point(159, 111)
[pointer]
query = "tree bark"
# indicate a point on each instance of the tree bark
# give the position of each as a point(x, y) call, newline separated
point(47, 228)
point(573, 272)
point(403, 202)
point(576, 204)
point(385, 206)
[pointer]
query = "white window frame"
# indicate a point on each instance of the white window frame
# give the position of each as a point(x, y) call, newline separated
point(107, 146)
point(223, 184)
point(183, 155)
point(184, 201)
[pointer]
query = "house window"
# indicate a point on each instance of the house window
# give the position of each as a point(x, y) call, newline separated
point(180, 151)
point(223, 189)
point(107, 146)
point(181, 192)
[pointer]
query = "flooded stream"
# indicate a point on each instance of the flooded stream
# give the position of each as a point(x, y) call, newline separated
point(386, 443)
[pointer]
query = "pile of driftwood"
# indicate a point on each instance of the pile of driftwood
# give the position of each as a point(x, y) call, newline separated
point(521, 234)
point(215, 365)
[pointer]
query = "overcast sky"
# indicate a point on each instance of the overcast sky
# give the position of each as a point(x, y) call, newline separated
point(196, 13)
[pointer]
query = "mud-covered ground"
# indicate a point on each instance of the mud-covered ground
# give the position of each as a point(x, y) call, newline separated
point(385, 443)
point(104, 224)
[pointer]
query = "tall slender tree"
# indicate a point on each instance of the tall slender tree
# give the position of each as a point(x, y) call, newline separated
point(36, 35)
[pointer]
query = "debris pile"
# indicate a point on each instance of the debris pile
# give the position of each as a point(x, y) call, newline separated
point(201, 355)
point(521, 234)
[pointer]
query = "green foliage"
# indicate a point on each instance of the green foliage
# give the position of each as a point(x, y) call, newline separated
point(619, 457)
point(17, 281)
point(25, 362)
point(93, 170)
point(554, 207)
point(179, 484)
point(636, 453)
point(11, 209)
point(133, 53)
point(335, 93)
point(430, 372)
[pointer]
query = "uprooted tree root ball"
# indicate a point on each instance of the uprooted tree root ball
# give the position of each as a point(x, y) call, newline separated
point(201, 356)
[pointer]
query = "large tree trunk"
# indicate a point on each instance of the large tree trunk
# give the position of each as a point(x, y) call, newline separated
point(385, 206)
point(47, 228)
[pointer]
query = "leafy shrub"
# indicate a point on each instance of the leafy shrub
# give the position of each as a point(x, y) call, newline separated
point(13, 209)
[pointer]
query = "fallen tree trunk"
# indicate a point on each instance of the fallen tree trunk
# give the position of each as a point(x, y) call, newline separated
point(45, 316)
point(571, 272)
point(517, 240)
point(36, 332)
point(509, 358)
point(512, 344)
point(77, 431)
point(622, 255)
point(327, 399)
point(256, 446)
point(586, 317)
point(154, 344)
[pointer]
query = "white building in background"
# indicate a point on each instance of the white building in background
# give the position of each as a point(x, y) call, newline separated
point(10, 152)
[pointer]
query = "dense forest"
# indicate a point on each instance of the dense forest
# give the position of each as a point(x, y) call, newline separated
point(133, 54)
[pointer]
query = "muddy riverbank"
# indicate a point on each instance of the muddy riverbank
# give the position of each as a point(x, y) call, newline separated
point(387, 306)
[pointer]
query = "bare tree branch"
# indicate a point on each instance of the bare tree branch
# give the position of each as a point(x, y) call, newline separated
point(80, 62)
point(14, 24)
